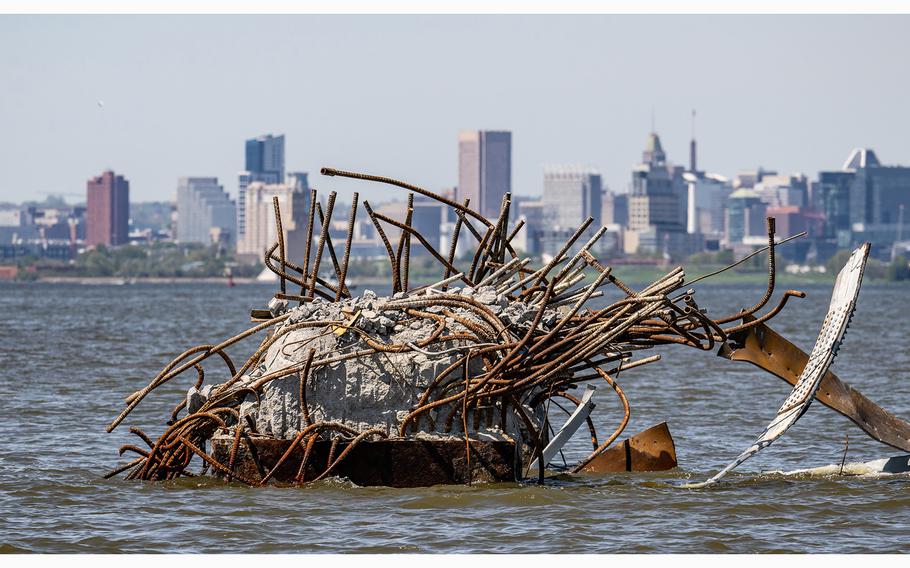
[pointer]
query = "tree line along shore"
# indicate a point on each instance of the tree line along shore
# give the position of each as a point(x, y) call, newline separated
point(163, 263)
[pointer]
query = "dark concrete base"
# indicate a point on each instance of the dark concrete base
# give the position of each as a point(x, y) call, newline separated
point(392, 463)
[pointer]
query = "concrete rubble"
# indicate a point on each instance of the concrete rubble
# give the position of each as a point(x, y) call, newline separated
point(378, 390)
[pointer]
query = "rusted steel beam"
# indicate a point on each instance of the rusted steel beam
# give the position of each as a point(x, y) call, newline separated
point(765, 348)
point(392, 463)
point(650, 450)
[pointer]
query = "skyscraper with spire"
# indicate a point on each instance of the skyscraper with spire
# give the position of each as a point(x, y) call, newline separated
point(657, 204)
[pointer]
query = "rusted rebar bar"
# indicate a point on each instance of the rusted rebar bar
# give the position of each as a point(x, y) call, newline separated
point(347, 247)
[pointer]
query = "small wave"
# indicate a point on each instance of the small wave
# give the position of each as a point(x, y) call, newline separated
point(876, 469)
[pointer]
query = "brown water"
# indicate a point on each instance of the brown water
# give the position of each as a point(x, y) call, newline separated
point(70, 354)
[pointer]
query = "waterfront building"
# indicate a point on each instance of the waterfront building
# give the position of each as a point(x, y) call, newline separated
point(264, 162)
point(205, 212)
point(658, 189)
point(484, 169)
point(658, 206)
point(706, 202)
point(877, 199)
point(532, 211)
point(864, 201)
point(614, 209)
point(793, 220)
point(395, 210)
point(790, 220)
point(260, 216)
point(13, 217)
point(61, 224)
point(427, 219)
point(748, 178)
point(831, 197)
point(782, 190)
point(107, 210)
point(745, 220)
point(300, 180)
point(571, 194)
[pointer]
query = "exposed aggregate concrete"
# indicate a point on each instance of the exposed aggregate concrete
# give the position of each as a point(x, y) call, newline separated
point(379, 390)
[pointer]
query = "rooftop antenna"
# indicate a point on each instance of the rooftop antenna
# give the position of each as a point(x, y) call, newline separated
point(692, 147)
point(900, 222)
point(652, 120)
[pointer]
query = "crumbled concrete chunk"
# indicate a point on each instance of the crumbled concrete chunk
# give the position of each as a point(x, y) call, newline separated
point(377, 390)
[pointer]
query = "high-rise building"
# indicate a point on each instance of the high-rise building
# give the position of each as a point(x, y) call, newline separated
point(265, 154)
point(748, 178)
point(528, 238)
point(783, 190)
point(484, 169)
point(658, 206)
point(427, 219)
point(261, 231)
point(571, 194)
point(300, 180)
point(745, 218)
point(707, 201)
point(658, 197)
point(615, 208)
point(264, 163)
point(107, 210)
point(864, 201)
point(878, 195)
point(831, 196)
point(205, 212)
point(792, 219)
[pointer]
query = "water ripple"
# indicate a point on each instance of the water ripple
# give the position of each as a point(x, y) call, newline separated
point(66, 378)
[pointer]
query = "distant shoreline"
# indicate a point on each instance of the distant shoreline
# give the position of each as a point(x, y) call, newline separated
point(632, 275)
point(114, 280)
point(119, 281)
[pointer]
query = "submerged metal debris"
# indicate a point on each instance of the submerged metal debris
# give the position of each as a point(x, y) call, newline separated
point(445, 383)
point(840, 312)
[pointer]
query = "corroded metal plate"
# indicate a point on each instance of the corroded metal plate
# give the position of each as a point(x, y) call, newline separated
point(650, 450)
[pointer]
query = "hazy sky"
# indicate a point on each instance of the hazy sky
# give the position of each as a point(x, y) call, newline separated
point(388, 94)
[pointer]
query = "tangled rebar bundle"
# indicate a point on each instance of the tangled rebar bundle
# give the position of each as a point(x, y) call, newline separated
point(503, 340)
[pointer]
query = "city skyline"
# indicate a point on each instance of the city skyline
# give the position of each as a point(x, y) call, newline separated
point(671, 212)
point(582, 95)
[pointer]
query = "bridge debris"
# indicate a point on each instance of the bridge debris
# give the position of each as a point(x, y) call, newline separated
point(840, 312)
point(450, 382)
point(650, 450)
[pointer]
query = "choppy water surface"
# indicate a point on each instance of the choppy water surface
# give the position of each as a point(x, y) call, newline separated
point(71, 353)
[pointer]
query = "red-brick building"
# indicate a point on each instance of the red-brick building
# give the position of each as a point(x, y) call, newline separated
point(108, 210)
